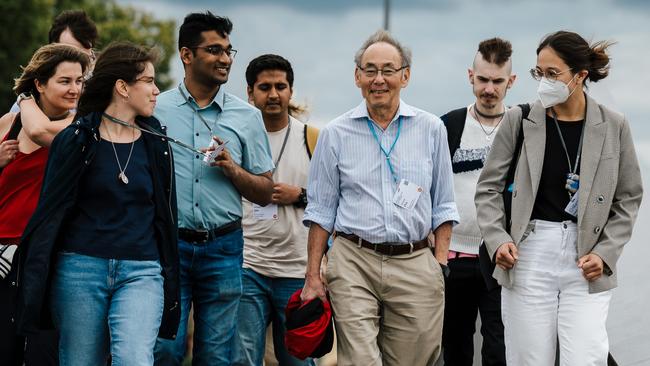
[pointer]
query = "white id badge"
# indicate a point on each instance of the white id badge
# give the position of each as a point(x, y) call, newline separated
point(211, 155)
point(572, 207)
point(268, 212)
point(407, 194)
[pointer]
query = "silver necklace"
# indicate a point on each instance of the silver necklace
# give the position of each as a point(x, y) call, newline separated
point(122, 175)
point(487, 134)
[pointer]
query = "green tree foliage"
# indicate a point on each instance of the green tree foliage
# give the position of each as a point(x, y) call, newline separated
point(25, 24)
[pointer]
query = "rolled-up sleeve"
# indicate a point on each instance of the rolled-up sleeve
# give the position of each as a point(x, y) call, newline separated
point(443, 204)
point(256, 150)
point(323, 183)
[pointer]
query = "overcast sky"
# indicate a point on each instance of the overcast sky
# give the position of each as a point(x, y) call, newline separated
point(320, 38)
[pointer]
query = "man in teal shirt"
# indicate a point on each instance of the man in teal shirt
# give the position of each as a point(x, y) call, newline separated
point(209, 193)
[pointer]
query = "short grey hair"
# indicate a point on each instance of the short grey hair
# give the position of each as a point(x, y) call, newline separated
point(384, 36)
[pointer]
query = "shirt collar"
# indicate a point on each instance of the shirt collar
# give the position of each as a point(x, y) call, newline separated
point(361, 111)
point(218, 99)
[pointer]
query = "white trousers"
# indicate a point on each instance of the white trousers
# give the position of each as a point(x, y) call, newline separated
point(550, 301)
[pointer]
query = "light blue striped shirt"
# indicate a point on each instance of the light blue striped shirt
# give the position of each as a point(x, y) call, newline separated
point(351, 188)
point(206, 198)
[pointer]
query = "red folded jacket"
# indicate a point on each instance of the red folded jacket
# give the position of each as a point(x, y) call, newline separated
point(310, 332)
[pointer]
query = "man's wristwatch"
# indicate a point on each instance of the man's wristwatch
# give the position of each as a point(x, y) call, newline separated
point(302, 199)
point(23, 96)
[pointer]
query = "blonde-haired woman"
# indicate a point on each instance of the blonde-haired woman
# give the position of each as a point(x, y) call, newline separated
point(49, 88)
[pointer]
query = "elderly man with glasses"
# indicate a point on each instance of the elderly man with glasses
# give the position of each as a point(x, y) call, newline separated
point(380, 181)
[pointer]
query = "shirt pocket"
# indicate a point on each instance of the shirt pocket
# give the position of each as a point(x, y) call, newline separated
point(416, 171)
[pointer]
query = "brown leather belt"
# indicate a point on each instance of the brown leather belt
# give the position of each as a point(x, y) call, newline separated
point(386, 248)
point(203, 236)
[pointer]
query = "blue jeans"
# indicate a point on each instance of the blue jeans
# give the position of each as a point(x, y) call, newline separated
point(263, 301)
point(101, 305)
point(211, 281)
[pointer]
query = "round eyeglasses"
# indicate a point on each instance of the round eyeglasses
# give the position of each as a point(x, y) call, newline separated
point(217, 50)
point(372, 72)
point(551, 75)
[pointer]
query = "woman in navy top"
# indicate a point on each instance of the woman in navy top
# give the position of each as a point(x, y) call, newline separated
point(102, 242)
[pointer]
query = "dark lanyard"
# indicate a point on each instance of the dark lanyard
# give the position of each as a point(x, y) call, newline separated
point(387, 153)
point(284, 144)
point(152, 132)
point(196, 110)
point(566, 151)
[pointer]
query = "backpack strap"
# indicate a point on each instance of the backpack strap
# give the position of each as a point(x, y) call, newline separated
point(16, 126)
point(311, 138)
point(525, 110)
point(510, 176)
point(455, 123)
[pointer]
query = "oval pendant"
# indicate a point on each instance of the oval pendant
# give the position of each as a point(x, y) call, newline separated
point(122, 177)
point(488, 138)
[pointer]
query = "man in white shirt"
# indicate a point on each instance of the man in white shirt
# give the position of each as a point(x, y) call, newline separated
point(470, 132)
point(275, 253)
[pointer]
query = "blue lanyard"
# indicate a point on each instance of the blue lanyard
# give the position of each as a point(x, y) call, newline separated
point(387, 153)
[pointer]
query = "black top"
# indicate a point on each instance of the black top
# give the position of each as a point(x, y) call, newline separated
point(71, 152)
point(112, 219)
point(552, 198)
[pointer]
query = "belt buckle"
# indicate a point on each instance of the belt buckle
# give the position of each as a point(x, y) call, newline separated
point(411, 249)
point(359, 242)
point(206, 234)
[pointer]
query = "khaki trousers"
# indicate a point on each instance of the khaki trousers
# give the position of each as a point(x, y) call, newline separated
point(388, 310)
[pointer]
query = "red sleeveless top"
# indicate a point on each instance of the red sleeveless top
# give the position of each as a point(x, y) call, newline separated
point(20, 187)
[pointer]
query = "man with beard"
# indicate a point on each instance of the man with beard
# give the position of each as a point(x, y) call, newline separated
point(201, 113)
point(471, 131)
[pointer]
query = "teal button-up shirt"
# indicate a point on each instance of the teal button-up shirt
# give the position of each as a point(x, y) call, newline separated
point(206, 197)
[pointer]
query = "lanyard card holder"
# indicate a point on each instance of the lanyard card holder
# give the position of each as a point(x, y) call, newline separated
point(209, 156)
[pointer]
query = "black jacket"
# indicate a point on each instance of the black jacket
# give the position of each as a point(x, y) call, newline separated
point(71, 152)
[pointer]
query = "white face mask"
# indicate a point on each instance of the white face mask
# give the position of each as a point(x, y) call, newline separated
point(554, 93)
